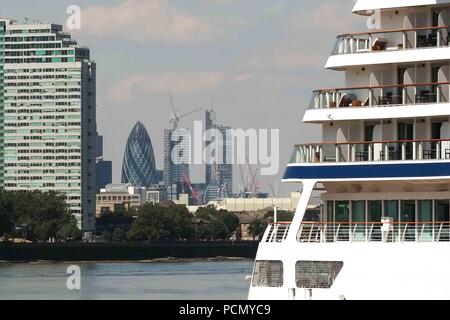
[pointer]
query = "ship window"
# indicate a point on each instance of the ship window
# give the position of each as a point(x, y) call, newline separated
point(442, 211)
point(358, 211)
point(408, 219)
point(374, 216)
point(342, 215)
point(359, 220)
point(425, 215)
point(317, 274)
point(425, 211)
point(391, 209)
point(442, 220)
point(268, 274)
point(342, 211)
point(408, 213)
point(375, 211)
point(330, 211)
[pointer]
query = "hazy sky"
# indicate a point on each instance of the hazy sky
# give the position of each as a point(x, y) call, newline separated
point(258, 59)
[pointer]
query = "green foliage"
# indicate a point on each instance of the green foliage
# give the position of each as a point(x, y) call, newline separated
point(257, 228)
point(45, 215)
point(118, 235)
point(155, 222)
point(219, 224)
point(6, 215)
point(106, 235)
point(282, 216)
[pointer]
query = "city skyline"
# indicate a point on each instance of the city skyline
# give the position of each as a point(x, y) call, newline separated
point(268, 88)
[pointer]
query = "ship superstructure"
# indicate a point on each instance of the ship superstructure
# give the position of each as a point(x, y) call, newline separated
point(384, 160)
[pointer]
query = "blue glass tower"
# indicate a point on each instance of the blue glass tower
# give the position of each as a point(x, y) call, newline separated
point(139, 166)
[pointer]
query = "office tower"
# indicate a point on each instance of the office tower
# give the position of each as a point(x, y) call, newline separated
point(222, 172)
point(225, 169)
point(103, 168)
point(139, 167)
point(160, 175)
point(104, 174)
point(176, 173)
point(209, 124)
point(48, 115)
point(98, 146)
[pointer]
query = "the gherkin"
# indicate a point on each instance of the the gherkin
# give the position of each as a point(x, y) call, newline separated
point(139, 167)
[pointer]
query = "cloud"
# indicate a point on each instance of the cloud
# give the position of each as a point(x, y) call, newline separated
point(306, 39)
point(144, 21)
point(283, 59)
point(183, 83)
point(332, 15)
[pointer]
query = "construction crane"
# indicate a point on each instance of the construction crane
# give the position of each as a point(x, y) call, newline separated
point(274, 193)
point(194, 192)
point(176, 117)
point(250, 182)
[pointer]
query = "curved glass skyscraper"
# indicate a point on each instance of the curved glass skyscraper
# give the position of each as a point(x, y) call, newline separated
point(139, 166)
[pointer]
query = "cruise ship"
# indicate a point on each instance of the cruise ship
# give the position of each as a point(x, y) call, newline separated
point(384, 161)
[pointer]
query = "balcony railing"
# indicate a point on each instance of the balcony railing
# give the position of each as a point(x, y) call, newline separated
point(316, 232)
point(382, 95)
point(372, 151)
point(277, 232)
point(392, 40)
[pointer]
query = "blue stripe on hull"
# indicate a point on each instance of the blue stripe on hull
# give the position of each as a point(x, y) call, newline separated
point(369, 171)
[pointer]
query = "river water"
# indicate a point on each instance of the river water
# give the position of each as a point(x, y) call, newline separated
point(215, 280)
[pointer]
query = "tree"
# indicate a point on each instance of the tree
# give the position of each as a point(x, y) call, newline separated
point(118, 235)
point(155, 222)
point(149, 225)
point(257, 228)
point(45, 214)
point(282, 216)
point(221, 224)
point(106, 235)
point(6, 218)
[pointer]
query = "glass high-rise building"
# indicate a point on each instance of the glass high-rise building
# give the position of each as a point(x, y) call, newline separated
point(175, 173)
point(222, 173)
point(48, 115)
point(139, 166)
point(103, 168)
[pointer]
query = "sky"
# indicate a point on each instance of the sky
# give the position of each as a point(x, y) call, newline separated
point(256, 61)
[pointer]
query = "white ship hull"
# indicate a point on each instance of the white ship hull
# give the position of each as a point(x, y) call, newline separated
point(371, 271)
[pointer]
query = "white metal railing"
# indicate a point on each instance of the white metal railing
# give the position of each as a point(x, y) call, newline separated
point(276, 232)
point(384, 95)
point(371, 151)
point(315, 232)
point(391, 40)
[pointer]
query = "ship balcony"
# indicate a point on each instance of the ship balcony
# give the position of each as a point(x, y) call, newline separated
point(389, 231)
point(386, 231)
point(364, 102)
point(383, 46)
point(370, 161)
point(401, 150)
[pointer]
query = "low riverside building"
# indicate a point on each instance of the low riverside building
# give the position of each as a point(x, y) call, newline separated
point(255, 204)
point(114, 196)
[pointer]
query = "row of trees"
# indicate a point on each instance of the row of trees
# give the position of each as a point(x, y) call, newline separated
point(156, 222)
point(36, 216)
point(40, 216)
point(259, 226)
